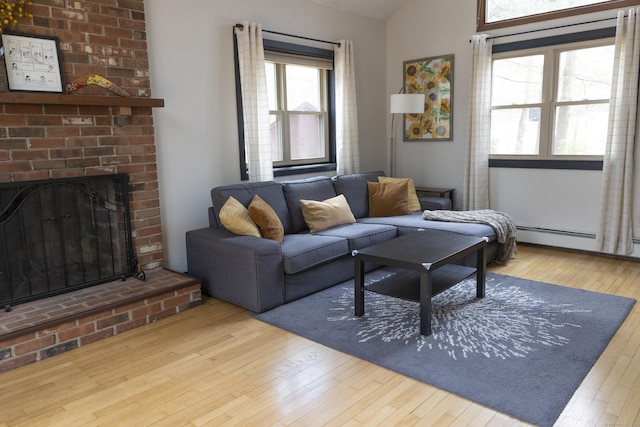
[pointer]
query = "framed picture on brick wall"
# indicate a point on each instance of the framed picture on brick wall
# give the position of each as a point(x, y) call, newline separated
point(33, 63)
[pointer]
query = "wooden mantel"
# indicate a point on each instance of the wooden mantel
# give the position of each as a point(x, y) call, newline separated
point(62, 99)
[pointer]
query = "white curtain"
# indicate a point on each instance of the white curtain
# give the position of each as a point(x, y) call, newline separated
point(347, 147)
point(255, 103)
point(615, 234)
point(476, 176)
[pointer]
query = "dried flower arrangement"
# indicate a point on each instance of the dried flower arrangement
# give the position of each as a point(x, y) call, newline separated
point(13, 11)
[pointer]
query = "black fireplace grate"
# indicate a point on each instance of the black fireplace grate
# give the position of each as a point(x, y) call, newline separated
point(64, 234)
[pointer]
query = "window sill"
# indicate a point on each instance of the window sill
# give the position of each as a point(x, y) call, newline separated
point(297, 170)
point(591, 165)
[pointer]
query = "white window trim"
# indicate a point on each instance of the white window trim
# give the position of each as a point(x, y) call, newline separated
point(284, 113)
point(548, 102)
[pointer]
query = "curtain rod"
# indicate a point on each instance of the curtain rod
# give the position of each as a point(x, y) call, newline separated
point(292, 35)
point(551, 28)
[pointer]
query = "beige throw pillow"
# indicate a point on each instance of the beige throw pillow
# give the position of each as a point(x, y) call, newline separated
point(266, 219)
point(388, 199)
point(235, 218)
point(412, 197)
point(327, 213)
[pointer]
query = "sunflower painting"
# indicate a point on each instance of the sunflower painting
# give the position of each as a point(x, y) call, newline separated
point(434, 78)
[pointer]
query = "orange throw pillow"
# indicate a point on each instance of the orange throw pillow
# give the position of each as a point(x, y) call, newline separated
point(388, 199)
point(266, 219)
point(412, 196)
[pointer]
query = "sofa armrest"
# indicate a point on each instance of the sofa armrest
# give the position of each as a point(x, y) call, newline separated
point(435, 203)
point(244, 270)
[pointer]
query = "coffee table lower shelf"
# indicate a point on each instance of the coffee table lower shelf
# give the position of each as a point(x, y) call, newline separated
point(405, 284)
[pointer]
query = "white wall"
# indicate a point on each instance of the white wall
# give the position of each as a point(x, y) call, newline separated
point(421, 29)
point(557, 200)
point(191, 62)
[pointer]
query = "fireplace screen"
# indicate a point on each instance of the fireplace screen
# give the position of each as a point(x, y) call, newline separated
point(62, 235)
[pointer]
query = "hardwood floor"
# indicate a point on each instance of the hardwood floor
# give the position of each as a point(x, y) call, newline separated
point(215, 365)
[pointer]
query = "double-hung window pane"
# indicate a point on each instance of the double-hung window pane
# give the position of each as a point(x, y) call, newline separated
point(303, 88)
point(516, 99)
point(582, 107)
point(299, 118)
point(304, 107)
point(275, 115)
point(552, 103)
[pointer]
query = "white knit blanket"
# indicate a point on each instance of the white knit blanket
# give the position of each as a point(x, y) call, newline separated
point(502, 223)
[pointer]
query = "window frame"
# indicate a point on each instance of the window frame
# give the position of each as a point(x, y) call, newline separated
point(550, 161)
point(481, 25)
point(286, 170)
point(284, 113)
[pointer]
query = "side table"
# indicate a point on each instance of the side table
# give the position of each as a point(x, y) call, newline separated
point(441, 192)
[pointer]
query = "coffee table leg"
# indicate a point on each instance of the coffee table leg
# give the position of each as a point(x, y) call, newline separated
point(425, 302)
point(481, 263)
point(358, 284)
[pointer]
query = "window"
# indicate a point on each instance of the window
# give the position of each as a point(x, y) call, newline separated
point(298, 112)
point(504, 13)
point(301, 91)
point(551, 103)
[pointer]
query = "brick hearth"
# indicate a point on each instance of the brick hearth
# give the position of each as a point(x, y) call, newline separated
point(40, 329)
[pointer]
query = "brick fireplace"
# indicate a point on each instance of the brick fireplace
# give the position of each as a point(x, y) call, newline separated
point(91, 132)
point(51, 139)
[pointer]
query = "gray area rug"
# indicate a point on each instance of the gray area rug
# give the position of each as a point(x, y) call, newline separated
point(522, 350)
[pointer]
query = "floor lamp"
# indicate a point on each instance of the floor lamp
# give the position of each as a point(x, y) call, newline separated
point(402, 103)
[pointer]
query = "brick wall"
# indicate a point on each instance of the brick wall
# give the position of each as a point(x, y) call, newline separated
point(48, 141)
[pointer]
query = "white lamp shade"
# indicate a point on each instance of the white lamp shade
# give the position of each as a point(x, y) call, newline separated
point(407, 103)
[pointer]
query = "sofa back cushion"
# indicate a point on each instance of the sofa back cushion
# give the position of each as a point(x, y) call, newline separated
point(269, 191)
point(316, 188)
point(354, 188)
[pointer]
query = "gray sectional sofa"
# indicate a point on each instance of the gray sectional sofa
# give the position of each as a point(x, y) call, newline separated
point(259, 274)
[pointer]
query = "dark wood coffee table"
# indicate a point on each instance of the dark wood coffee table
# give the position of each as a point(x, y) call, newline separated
point(430, 254)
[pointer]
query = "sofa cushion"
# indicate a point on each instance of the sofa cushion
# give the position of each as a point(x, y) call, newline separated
point(235, 218)
point(266, 219)
point(388, 199)
point(269, 191)
point(316, 188)
point(327, 213)
point(303, 251)
point(412, 197)
point(354, 188)
point(362, 235)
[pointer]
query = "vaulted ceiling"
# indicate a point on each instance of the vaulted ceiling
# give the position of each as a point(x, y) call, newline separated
point(375, 9)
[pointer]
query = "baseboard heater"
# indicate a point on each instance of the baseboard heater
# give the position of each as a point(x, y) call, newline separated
point(562, 232)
